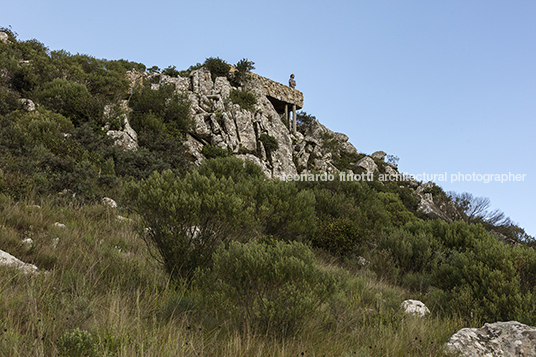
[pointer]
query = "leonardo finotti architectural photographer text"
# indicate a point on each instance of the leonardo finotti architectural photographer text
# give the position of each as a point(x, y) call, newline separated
point(424, 177)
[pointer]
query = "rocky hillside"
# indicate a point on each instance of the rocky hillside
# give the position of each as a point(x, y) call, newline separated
point(212, 225)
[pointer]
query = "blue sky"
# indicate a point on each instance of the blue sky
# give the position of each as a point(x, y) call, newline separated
point(447, 86)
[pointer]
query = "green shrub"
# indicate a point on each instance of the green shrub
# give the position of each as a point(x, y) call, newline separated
point(217, 67)
point(286, 212)
point(241, 75)
point(171, 71)
point(269, 142)
point(77, 343)
point(72, 100)
point(160, 111)
point(211, 152)
point(9, 101)
point(302, 118)
point(272, 287)
point(246, 100)
point(235, 168)
point(188, 218)
point(338, 236)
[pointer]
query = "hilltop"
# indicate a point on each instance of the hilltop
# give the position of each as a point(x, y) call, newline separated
point(195, 212)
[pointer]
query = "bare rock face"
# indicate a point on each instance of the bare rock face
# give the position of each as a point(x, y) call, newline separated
point(500, 339)
point(415, 307)
point(427, 204)
point(127, 138)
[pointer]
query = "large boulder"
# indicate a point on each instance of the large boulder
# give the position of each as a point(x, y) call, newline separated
point(500, 339)
point(368, 164)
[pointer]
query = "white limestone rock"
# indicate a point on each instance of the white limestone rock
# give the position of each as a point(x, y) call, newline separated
point(500, 339)
point(107, 201)
point(27, 104)
point(4, 38)
point(127, 138)
point(368, 164)
point(378, 155)
point(201, 81)
point(7, 259)
point(415, 307)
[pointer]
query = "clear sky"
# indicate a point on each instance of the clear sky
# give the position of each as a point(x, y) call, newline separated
point(447, 86)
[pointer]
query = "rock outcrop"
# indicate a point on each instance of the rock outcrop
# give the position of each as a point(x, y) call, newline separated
point(127, 138)
point(7, 259)
point(220, 122)
point(500, 339)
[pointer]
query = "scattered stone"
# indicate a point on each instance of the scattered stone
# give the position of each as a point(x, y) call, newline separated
point(7, 259)
point(109, 202)
point(123, 219)
point(28, 242)
point(363, 262)
point(503, 339)
point(27, 104)
point(415, 307)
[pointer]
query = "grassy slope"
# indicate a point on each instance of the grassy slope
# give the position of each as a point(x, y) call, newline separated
point(100, 278)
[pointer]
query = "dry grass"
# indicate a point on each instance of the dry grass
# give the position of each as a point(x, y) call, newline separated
point(99, 278)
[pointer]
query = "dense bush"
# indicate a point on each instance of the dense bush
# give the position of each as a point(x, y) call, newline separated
point(269, 142)
point(245, 99)
point(269, 287)
point(70, 99)
point(241, 75)
point(187, 218)
point(232, 167)
point(302, 118)
point(466, 269)
point(171, 71)
point(77, 343)
point(217, 67)
point(211, 152)
point(160, 111)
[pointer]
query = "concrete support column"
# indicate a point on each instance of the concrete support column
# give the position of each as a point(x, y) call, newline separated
point(287, 118)
point(294, 119)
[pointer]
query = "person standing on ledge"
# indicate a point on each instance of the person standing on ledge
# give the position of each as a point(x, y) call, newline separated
point(292, 82)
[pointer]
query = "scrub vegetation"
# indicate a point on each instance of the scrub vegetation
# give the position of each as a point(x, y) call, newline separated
point(215, 260)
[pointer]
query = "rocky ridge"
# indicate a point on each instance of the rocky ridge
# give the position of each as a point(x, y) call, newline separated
point(221, 123)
